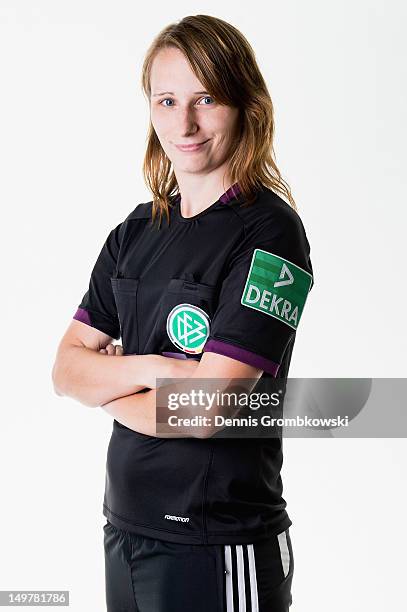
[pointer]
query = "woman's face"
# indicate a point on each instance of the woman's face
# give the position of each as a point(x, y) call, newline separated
point(182, 113)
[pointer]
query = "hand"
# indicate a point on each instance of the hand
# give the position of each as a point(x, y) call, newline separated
point(182, 368)
point(112, 349)
point(168, 367)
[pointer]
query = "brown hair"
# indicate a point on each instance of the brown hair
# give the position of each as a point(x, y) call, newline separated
point(223, 60)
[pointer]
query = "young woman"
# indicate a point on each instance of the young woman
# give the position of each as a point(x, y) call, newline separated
point(209, 278)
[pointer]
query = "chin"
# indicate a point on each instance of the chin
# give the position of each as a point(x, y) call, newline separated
point(191, 165)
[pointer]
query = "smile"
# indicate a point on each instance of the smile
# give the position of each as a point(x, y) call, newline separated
point(191, 147)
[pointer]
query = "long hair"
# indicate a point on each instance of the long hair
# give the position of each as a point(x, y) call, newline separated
point(224, 62)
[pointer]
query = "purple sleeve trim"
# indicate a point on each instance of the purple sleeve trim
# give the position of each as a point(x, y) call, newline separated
point(230, 193)
point(178, 356)
point(235, 352)
point(82, 315)
point(174, 355)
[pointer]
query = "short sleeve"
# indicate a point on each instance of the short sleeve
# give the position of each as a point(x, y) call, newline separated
point(98, 306)
point(263, 294)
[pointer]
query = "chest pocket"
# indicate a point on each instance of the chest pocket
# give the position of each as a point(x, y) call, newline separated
point(125, 292)
point(182, 323)
point(185, 315)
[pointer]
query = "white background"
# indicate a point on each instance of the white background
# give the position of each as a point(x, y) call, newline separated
point(73, 131)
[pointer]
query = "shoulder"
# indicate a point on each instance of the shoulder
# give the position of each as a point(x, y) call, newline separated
point(142, 211)
point(273, 226)
point(269, 217)
point(116, 235)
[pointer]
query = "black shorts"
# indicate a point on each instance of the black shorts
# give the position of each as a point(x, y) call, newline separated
point(148, 575)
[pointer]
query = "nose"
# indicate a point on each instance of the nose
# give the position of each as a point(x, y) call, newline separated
point(187, 121)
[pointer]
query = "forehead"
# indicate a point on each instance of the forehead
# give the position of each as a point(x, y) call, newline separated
point(170, 70)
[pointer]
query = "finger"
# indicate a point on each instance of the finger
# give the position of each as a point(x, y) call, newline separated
point(104, 351)
point(110, 349)
point(119, 349)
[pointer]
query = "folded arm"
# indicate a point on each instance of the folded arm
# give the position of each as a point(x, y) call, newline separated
point(138, 412)
point(83, 372)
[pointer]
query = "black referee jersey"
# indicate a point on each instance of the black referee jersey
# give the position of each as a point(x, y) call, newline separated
point(239, 276)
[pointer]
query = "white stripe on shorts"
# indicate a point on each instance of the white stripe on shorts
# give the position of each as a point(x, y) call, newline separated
point(284, 552)
point(253, 579)
point(240, 578)
point(229, 579)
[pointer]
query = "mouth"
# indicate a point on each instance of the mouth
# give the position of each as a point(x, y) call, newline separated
point(192, 147)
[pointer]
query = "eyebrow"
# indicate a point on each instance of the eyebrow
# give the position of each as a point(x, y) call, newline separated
point(173, 94)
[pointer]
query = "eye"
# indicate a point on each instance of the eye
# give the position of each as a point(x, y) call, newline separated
point(171, 100)
point(164, 100)
point(208, 98)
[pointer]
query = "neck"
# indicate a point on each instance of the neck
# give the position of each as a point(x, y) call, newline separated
point(198, 192)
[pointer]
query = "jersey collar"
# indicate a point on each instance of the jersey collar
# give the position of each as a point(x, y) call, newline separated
point(230, 194)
